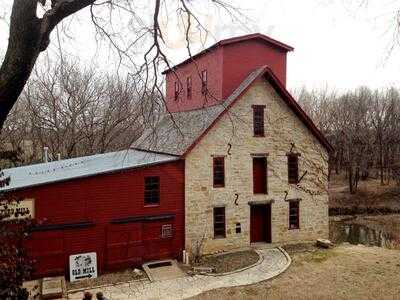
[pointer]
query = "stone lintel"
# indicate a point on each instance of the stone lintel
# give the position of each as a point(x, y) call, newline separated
point(293, 200)
point(263, 202)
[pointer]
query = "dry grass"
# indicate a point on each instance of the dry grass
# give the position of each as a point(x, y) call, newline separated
point(230, 261)
point(319, 256)
point(105, 279)
point(346, 272)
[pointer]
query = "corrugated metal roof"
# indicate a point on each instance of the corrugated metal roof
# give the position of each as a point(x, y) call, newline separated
point(44, 173)
point(176, 132)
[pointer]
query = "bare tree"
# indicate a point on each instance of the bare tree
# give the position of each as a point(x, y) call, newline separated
point(30, 35)
point(364, 127)
point(76, 112)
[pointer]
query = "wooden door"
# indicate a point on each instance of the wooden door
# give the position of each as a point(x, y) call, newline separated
point(260, 223)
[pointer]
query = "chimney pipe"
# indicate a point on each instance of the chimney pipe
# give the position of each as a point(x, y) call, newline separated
point(46, 154)
point(58, 156)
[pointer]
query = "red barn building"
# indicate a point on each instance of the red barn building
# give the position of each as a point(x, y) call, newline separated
point(126, 206)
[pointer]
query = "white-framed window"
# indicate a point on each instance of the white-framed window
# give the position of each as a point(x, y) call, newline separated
point(166, 231)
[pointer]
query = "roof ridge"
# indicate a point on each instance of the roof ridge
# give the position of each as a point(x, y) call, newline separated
point(66, 160)
point(232, 40)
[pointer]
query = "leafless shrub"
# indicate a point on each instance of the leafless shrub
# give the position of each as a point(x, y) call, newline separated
point(132, 30)
point(197, 248)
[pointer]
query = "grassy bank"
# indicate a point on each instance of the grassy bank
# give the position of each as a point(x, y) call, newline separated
point(371, 197)
point(346, 272)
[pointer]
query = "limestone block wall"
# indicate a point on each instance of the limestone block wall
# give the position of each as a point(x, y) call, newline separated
point(282, 127)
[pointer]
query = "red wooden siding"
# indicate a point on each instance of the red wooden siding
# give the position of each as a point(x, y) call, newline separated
point(212, 62)
point(227, 66)
point(242, 58)
point(109, 217)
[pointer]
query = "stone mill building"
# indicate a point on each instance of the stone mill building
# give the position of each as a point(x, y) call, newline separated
point(234, 161)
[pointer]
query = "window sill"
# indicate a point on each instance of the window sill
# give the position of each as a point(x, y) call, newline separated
point(218, 186)
point(151, 205)
point(294, 228)
point(259, 135)
point(260, 194)
point(219, 237)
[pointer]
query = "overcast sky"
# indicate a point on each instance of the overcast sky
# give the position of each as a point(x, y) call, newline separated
point(338, 43)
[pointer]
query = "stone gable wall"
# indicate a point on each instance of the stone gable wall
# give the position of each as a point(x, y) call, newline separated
point(282, 127)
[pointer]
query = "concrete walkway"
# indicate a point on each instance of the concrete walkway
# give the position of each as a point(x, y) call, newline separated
point(273, 262)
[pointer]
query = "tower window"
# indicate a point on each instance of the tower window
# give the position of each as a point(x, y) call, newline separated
point(176, 94)
point(204, 82)
point(189, 87)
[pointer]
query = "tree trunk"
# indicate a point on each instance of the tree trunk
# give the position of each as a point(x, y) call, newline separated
point(381, 159)
point(350, 174)
point(22, 52)
point(29, 36)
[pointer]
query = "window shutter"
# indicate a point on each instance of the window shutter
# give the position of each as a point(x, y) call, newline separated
point(293, 168)
point(260, 175)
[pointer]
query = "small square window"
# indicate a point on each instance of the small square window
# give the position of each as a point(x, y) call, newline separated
point(166, 231)
point(238, 228)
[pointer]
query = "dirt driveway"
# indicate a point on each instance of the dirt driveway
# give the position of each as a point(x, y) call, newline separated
point(346, 272)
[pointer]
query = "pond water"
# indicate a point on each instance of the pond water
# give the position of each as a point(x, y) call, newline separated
point(355, 233)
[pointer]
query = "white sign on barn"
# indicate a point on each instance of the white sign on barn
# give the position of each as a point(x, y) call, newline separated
point(82, 266)
point(19, 210)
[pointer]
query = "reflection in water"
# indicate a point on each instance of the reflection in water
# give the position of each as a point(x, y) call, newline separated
point(361, 234)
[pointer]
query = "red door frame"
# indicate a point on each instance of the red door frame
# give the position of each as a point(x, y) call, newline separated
point(260, 223)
